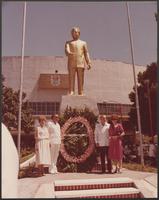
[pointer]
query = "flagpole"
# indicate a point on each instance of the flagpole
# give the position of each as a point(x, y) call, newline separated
point(136, 91)
point(21, 79)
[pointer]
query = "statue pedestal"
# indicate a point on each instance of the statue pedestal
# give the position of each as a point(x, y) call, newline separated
point(79, 102)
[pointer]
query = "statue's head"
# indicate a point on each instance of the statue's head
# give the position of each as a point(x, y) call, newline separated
point(75, 32)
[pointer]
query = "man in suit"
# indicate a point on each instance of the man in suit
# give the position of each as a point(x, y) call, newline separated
point(78, 55)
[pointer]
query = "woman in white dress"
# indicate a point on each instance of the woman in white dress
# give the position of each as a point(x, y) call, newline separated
point(42, 145)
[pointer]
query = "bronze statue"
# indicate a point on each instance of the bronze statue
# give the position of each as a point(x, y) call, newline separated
point(78, 55)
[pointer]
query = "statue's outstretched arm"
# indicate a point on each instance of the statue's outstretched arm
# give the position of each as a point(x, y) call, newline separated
point(67, 49)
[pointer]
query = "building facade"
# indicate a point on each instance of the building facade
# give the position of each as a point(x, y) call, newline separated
point(107, 83)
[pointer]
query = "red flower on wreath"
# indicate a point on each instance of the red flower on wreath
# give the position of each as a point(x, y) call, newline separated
point(90, 148)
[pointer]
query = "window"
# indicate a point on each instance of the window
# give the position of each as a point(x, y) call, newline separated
point(45, 108)
point(109, 108)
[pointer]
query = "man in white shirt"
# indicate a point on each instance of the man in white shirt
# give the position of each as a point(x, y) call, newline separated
point(102, 142)
point(55, 141)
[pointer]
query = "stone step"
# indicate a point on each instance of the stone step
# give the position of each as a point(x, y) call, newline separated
point(126, 192)
point(88, 184)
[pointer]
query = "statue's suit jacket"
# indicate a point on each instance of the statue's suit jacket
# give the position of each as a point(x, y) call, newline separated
point(79, 53)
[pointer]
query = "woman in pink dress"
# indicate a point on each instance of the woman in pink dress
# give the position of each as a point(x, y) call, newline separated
point(116, 132)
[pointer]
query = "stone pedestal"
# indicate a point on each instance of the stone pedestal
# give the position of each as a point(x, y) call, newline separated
point(79, 102)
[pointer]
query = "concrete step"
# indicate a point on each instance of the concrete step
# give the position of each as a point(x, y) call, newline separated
point(126, 192)
point(88, 184)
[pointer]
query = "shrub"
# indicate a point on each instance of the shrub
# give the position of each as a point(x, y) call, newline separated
point(27, 140)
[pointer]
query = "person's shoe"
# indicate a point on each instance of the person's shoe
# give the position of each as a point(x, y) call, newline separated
point(52, 172)
point(81, 94)
point(116, 170)
point(71, 93)
point(55, 170)
point(119, 171)
point(110, 172)
point(41, 174)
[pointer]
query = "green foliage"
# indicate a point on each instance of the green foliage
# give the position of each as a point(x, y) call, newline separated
point(139, 167)
point(89, 164)
point(27, 140)
point(128, 139)
point(65, 166)
point(73, 112)
point(77, 145)
point(29, 171)
point(10, 106)
point(147, 92)
point(26, 152)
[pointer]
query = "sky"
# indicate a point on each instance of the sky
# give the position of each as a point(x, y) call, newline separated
point(103, 26)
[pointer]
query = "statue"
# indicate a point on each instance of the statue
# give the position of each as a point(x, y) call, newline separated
point(78, 55)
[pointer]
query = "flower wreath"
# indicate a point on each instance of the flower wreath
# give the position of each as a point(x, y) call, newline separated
point(90, 148)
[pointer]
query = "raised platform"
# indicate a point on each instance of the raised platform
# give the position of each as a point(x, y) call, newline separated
point(79, 102)
point(44, 187)
point(96, 188)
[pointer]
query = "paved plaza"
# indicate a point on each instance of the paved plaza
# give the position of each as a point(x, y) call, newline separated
point(42, 187)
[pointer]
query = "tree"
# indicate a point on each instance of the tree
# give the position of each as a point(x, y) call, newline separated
point(10, 102)
point(147, 92)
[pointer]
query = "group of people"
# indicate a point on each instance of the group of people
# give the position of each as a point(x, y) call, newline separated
point(108, 140)
point(47, 143)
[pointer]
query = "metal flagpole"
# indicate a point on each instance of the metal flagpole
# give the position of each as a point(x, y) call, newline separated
point(21, 79)
point(136, 91)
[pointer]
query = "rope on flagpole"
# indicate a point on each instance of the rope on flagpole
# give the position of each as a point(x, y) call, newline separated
point(21, 79)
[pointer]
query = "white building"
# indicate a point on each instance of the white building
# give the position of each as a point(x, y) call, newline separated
point(108, 83)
